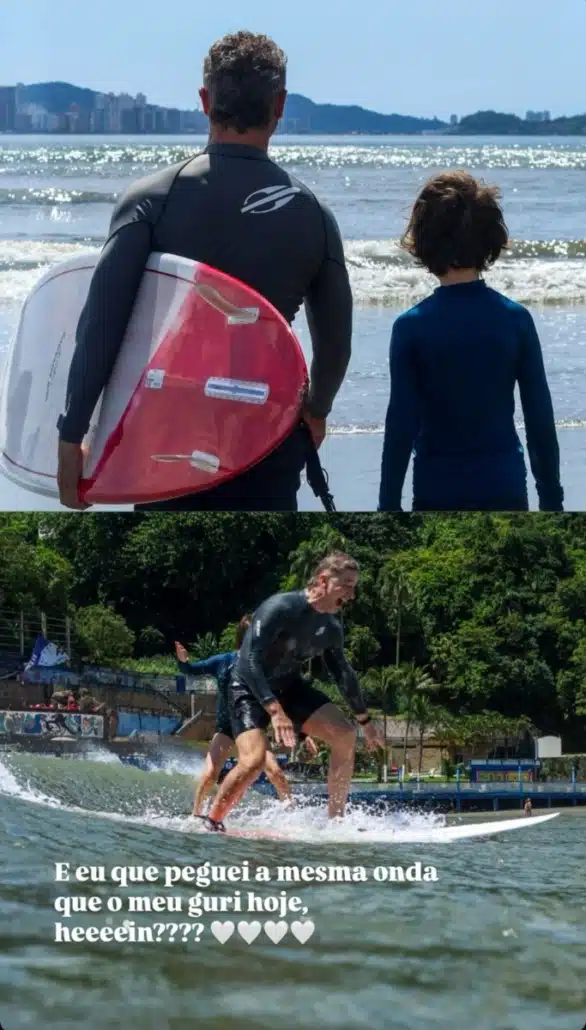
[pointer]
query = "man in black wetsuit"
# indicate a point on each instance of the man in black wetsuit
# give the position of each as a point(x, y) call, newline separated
point(268, 686)
point(233, 208)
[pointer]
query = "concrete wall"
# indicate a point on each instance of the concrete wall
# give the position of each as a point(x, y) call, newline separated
point(432, 757)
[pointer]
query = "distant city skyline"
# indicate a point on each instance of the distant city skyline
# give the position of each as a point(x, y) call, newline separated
point(59, 107)
point(420, 58)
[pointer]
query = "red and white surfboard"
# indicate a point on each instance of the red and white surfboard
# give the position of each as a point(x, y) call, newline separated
point(210, 379)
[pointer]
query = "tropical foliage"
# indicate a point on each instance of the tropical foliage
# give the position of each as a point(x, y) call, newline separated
point(456, 616)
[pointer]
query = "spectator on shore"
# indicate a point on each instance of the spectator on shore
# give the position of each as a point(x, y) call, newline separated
point(87, 703)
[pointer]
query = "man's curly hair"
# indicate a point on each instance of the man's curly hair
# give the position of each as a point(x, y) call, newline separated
point(244, 73)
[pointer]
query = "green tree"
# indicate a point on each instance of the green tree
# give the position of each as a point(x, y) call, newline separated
point(151, 641)
point(362, 648)
point(380, 686)
point(204, 647)
point(494, 605)
point(423, 712)
point(448, 732)
point(103, 635)
point(32, 575)
point(414, 683)
point(307, 556)
point(571, 684)
point(227, 641)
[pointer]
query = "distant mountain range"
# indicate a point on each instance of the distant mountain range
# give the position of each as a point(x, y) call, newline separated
point(303, 115)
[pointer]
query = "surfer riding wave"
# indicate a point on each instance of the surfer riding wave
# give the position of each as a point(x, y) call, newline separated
point(268, 687)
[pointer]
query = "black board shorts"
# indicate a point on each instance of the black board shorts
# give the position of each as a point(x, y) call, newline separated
point(224, 726)
point(300, 700)
point(223, 723)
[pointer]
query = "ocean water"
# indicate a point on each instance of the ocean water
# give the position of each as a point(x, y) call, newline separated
point(56, 196)
point(497, 941)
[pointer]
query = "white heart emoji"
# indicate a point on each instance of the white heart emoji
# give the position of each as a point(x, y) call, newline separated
point(249, 931)
point(276, 931)
point(222, 931)
point(302, 931)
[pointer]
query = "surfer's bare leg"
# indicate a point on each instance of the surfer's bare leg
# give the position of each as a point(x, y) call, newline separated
point(220, 748)
point(332, 726)
point(277, 777)
point(251, 746)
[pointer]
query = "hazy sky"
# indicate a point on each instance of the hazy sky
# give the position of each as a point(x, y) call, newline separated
point(419, 57)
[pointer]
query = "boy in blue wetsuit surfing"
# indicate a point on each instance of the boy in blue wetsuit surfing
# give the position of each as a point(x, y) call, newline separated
point(267, 686)
point(220, 666)
point(455, 360)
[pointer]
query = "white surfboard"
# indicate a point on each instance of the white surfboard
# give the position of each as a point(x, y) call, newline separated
point(208, 380)
point(433, 835)
point(35, 378)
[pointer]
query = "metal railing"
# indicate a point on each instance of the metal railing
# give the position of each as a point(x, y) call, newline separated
point(494, 787)
point(19, 630)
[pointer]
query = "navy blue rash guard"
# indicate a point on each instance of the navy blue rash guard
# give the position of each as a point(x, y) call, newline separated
point(454, 361)
point(220, 667)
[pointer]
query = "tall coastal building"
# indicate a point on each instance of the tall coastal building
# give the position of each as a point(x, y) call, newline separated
point(7, 108)
point(538, 116)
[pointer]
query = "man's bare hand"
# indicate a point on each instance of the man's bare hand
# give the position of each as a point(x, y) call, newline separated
point(181, 653)
point(283, 728)
point(70, 462)
point(372, 737)
point(317, 427)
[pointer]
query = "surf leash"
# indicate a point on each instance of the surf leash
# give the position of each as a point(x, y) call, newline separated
point(211, 824)
point(317, 476)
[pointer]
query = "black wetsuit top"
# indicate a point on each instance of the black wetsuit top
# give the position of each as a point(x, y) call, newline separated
point(286, 631)
point(233, 208)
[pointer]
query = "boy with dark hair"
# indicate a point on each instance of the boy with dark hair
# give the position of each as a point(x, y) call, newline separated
point(455, 360)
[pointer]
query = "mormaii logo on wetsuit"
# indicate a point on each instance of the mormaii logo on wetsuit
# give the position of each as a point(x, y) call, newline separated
point(268, 199)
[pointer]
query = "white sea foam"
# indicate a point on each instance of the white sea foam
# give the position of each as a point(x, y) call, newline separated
point(380, 272)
